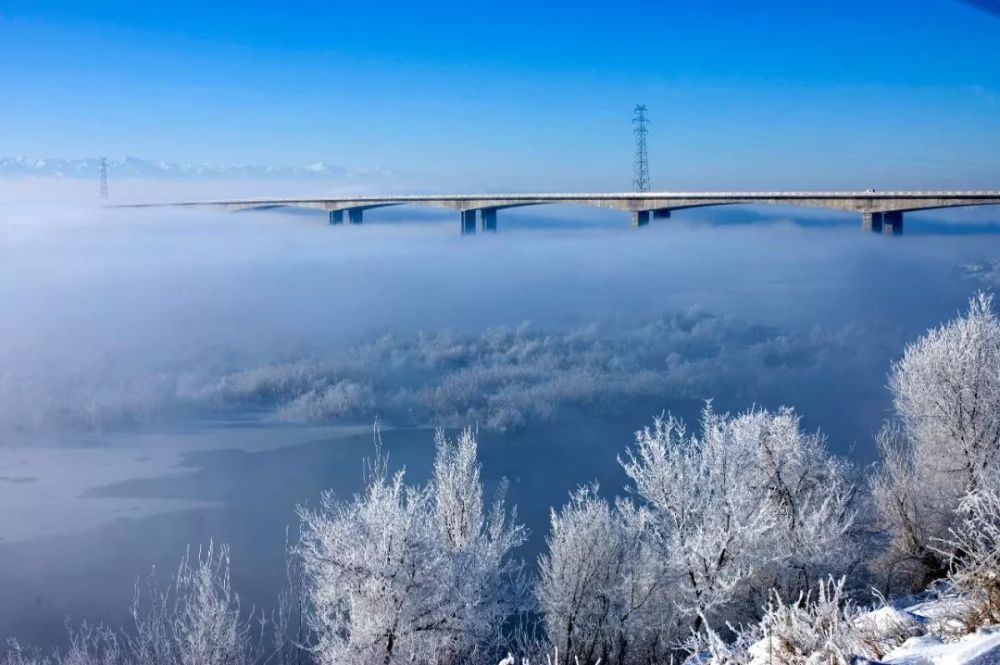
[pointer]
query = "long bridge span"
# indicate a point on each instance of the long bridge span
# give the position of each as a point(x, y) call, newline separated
point(880, 211)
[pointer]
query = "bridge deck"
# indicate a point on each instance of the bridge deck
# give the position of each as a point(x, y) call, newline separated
point(874, 206)
point(632, 201)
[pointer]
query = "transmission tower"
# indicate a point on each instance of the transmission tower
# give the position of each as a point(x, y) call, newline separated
point(104, 177)
point(639, 122)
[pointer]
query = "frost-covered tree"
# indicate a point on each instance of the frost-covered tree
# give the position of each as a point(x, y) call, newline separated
point(601, 589)
point(946, 390)
point(484, 585)
point(811, 494)
point(194, 620)
point(750, 504)
point(373, 571)
point(197, 621)
point(974, 562)
point(88, 645)
point(410, 574)
point(945, 443)
point(458, 492)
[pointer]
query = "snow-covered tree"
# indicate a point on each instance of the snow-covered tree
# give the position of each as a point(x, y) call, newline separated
point(458, 492)
point(94, 645)
point(945, 443)
point(410, 574)
point(484, 586)
point(811, 493)
point(974, 561)
point(750, 504)
point(601, 589)
point(88, 645)
point(198, 621)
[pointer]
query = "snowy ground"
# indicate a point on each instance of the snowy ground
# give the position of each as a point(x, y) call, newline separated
point(979, 648)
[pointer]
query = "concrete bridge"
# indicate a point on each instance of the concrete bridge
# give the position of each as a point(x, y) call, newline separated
point(880, 211)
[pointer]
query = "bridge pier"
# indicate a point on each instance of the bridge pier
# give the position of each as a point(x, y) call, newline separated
point(871, 221)
point(468, 222)
point(336, 217)
point(488, 219)
point(661, 213)
point(640, 218)
point(355, 215)
point(892, 222)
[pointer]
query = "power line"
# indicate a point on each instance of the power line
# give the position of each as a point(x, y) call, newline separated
point(641, 165)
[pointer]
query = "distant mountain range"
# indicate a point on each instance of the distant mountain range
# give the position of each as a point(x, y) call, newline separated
point(132, 167)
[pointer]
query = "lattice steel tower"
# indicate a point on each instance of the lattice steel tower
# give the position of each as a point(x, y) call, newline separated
point(641, 166)
point(104, 177)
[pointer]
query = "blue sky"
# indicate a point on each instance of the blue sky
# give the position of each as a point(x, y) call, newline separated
point(899, 93)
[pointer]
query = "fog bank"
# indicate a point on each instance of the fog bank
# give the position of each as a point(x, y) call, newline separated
point(123, 318)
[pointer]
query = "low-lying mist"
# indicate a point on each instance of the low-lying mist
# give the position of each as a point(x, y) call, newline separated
point(124, 318)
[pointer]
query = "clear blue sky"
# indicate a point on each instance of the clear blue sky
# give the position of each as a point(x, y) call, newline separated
point(782, 94)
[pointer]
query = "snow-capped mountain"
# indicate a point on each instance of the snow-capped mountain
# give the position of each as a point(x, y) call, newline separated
point(132, 167)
